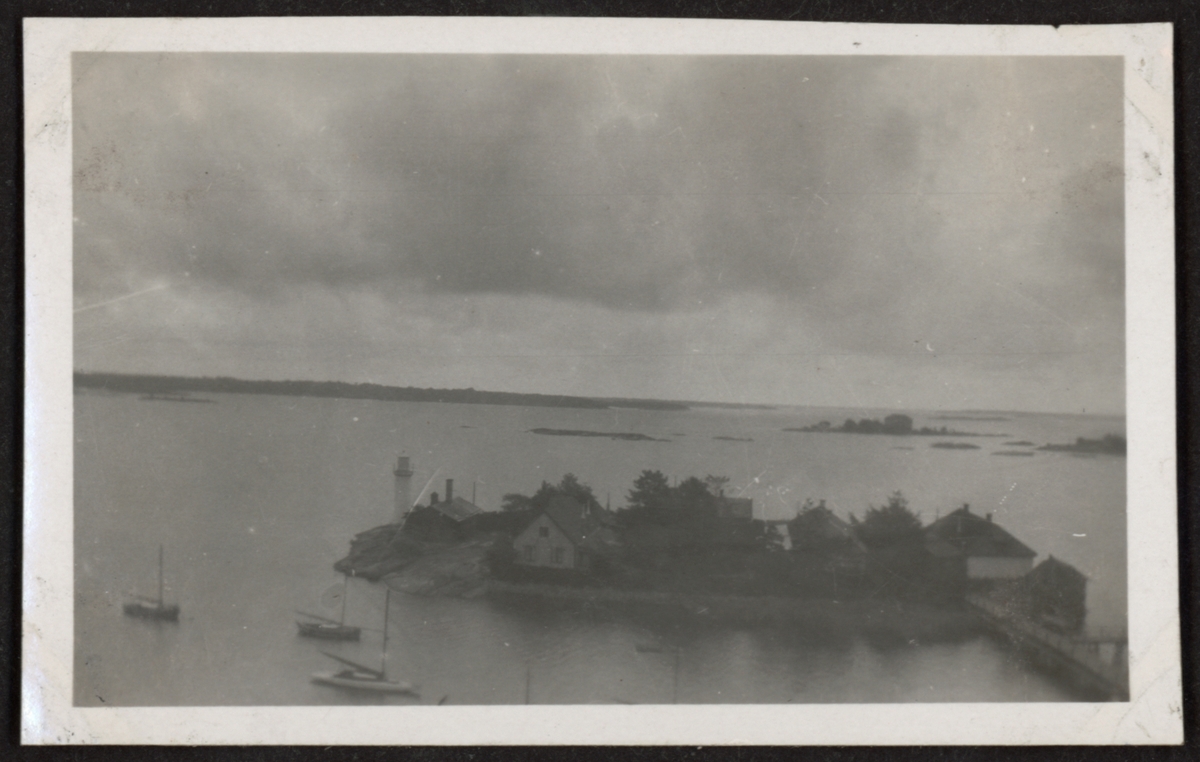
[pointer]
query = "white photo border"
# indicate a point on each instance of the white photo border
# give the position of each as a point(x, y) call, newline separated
point(1154, 714)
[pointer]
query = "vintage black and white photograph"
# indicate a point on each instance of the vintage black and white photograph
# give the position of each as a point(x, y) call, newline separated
point(477, 379)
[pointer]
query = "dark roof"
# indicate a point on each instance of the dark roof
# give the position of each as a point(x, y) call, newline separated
point(963, 533)
point(826, 525)
point(580, 528)
point(830, 524)
point(457, 509)
point(1054, 571)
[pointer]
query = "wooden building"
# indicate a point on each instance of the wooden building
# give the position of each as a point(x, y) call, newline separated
point(822, 538)
point(972, 546)
point(564, 535)
point(1057, 595)
point(447, 520)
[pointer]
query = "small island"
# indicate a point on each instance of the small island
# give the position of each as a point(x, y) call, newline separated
point(173, 398)
point(625, 436)
point(669, 539)
point(954, 446)
point(896, 425)
point(687, 549)
point(734, 439)
point(1014, 453)
point(1109, 444)
point(1021, 443)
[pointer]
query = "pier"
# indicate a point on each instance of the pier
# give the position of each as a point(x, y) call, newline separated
point(1096, 664)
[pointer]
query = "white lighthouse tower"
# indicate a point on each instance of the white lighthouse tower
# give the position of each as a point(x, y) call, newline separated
point(403, 473)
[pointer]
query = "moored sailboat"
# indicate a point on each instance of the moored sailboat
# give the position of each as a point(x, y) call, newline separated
point(145, 607)
point(359, 677)
point(326, 628)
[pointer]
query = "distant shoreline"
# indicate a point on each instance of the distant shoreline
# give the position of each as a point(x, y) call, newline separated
point(177, 385)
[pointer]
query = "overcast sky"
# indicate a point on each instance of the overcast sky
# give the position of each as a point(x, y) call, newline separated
point(849, 231)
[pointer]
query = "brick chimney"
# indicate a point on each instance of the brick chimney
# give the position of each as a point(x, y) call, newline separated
point(449, 490)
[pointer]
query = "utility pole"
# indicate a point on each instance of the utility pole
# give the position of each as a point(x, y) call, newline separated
point(675, 685)
point(528, 679)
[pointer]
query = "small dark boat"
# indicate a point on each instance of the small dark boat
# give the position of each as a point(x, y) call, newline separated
point(326, 628)
point(362, 678)
point(145, 607)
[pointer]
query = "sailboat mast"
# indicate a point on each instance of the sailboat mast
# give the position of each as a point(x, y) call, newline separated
point(345, 592)
point(160, 576)
point(387, 600)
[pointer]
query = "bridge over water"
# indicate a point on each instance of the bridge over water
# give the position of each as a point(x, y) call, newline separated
point(1097, 663)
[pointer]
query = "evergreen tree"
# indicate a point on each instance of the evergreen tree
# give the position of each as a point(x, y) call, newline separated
point(892, 525)
point(651, 491)
point(578, 491)
point(515, 502)
point(695, 500)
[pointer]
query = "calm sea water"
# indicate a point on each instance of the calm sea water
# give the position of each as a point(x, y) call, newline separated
point(255, 497)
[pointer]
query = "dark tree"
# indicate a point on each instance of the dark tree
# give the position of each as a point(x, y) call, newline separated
point(651, 492)
point(515, 502)
point(578, 491)
point(542, 497)
point(695, 499)
point(892, 525)
point(806, 530)
point(570, 486)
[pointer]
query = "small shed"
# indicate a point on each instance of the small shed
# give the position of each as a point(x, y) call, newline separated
point(448, 520)
point(1057, 594)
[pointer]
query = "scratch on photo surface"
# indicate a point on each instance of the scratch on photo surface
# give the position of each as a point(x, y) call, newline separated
point(114, 300)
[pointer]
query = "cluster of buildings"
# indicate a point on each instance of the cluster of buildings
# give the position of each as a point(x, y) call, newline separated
point(448, 517)
point(972, 554)
point(965, 547)
point(991, 560)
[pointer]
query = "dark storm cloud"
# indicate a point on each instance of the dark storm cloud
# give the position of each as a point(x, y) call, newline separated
point(581, 178)
point(897, 205)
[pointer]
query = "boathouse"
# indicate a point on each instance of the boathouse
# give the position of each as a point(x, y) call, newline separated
point(976, 549)
point(564, 535)
point(1057, 595)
